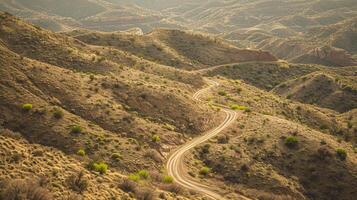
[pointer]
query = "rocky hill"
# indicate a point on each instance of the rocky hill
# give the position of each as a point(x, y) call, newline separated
point(95, 115)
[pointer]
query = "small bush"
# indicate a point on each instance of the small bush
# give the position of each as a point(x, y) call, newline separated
point(291, 141)
point(222, 93)
point(21, 189)
point(154, 155)
point(128, 185)
point(100, 167)
point(205, 171)
point(223, 139)
point(145, 194)
point(143, 174)
point(168, 179)
point(81, 152)
point(173, 188)
point(238, 107)
point(323, 153)
point(91, 77)
point(134, 177)
point(156, 138)
point(58, 113)
point(341, 154)
point(116, 156)
point(77, 182)
point(76, 129)
point(27, 107)
point(205, 149)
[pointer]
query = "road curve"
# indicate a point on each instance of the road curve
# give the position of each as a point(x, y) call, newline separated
point(175, 163)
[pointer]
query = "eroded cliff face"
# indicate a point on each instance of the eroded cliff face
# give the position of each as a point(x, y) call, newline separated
point(334, 55)
point(327, 55)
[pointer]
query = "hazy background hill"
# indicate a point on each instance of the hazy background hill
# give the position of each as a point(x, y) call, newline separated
point(320, 32)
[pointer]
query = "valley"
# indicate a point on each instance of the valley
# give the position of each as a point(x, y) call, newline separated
point(116, 99)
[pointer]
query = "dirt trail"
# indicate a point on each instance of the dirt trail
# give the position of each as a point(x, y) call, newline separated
point(175, 163)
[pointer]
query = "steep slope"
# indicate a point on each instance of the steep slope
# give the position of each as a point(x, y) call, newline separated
point(321, 89)
point(96, 113)
point(175, 48)
point(326, 55)
point(332, 88)
point(277, 148)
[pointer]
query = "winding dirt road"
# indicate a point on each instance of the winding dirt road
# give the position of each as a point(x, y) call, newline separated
point(175, 164)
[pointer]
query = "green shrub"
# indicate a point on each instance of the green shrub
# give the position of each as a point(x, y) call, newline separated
point(223, 139)
point(134, 177)
point(58, 113)
point(205, 171)
point(168, 179)
point(81, 152)
point(27, 107)
point(238, 107)
point(116, 156)
point(100, 167)
point(341, 154)
point(291, 141)
point(248, 110)
point(91, 77)
point(155, 138)
point(222, 93)
point(76, 129)
point(143, 174)
point(205, 149)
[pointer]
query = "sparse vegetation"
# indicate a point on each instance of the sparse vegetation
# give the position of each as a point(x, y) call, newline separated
point(77, 182)
point(291, 141)
point(22, 189)
point(58, 113)
point(167, 179)
point(116, 156)
point(81, 152)
point(341, 154)
point(100, 167)
point(223, 139)
point(145, 194)
point(155, 138)
point(144, 174)
point(130, 109)
point(134, 177)
point(27, 107)
point(222, 93)
point(205, 171)
point(238, 107)
point(128, 185)
point(76, 129)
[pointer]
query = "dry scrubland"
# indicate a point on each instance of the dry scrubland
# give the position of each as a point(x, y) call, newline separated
point(94, 115)
point(70, 109)
point(279, 148)
point(308, 31)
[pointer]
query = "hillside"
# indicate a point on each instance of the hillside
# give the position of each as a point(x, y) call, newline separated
point(174, 48)
point(168, 114)
point(292, 30)
point(321, 89)
point(277, 148)
point(313, 84)
point(109, 111)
